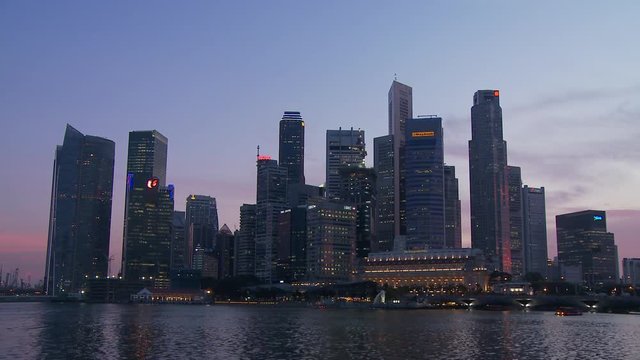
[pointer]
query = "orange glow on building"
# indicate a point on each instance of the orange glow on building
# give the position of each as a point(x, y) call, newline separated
point(423, 134)
point(496, 93)
point(264, 157)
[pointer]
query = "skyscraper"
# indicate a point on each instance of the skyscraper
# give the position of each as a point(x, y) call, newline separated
point(358, 189)
point(583, 242)
point(201, 222)
point(400, 109)
point(345, 148)
point(488, 181)
point(534, 234)
point(631, 271)
point(245, 245)
point(292, 247)
point(452, 209)
point(424, 183)
point(291, 149)
point(515, 221)
point(146, 249)
point(331, 235)
point(180, 249)
point(270, 201)
point(225, 241)
point(385, 196)
point(80, 213)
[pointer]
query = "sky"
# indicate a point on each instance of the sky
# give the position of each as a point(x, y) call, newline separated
point(215, 78)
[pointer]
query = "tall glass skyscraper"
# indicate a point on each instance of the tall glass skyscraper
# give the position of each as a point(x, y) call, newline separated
point(424, 183)
point(490, 230)
point(358, 189)
point(452, 209)
point(515, 221)
point(400, 109)
point(291, 146)
point(271, 197)
point(245, 246)
point(201, 223)
point(345, 148)
point(146, 249)
point(385, 196)
point(534, 235)
point(80, 213)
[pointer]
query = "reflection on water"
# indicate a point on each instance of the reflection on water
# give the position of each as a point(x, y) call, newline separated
point(106, 331)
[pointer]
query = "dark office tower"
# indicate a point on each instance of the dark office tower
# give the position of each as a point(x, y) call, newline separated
point(245, 246)
point(583, 242)
point(358, 189)
point(201, 222)
point(270, 201)
point(146, 249)
point(331, 234)
point(400, 109)
point(452, 209)
point(424, 183)
point(534, 234)
point(488, 180)
point(224, 251)
point(383, 166)
point(515, 221)
point(345, 148)
point(291, 152)
point(80, 213)
point(301, 194)
point(292, 246)
point(180, 251)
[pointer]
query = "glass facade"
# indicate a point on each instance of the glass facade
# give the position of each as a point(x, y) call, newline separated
point(80, 213)
point(383, 165)
point(291, 146)
point(515, 221)
point(534, 230)
point(452, 209)
point(345, 148)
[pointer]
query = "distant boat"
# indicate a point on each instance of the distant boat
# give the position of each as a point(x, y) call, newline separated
point(568, 311)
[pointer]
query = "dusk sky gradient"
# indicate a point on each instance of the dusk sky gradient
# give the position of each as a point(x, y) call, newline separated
point(215, 78)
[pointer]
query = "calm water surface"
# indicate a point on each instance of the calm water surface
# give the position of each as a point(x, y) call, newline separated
point(109, 331)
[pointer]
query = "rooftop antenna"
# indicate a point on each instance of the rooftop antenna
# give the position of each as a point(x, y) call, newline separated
point(395, 77)
point(258, 154)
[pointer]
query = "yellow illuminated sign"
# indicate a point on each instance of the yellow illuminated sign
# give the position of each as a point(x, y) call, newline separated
point(423, 134)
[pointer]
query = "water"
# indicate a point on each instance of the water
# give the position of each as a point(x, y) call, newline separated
point(110, 331)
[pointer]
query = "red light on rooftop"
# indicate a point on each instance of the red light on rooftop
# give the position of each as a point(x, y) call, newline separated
point(264, 157)
point(496, 93)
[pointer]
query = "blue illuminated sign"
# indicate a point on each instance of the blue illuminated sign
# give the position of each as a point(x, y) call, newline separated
point(597, 217)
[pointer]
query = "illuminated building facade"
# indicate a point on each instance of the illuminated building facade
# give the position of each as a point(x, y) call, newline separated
point(424, 183)
point(441, 267)
point(452, 209)
point(146, 253)
point(331, 240)
point(490, 231)
point(80, 213)
point(345, 148)
point(291, 147)
point(583, 241)
point(515, 221)
point(534, 228)
point(385, 196)
point(400, 101)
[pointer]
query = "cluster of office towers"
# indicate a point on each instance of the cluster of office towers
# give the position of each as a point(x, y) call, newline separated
point(296, 232)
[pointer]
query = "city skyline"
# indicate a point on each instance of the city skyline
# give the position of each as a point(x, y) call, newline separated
point(554, 125)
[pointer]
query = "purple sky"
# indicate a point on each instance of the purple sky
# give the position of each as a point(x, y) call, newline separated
point(215, 79)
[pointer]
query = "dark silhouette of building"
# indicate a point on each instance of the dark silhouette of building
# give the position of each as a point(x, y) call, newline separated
point(180, 251)
point(452, 209)
point(146, 249)
point(201, 222)
point(292, 244)
point(291, 149)
point(515, 221)
point(400, 109)
point(80, 213)
point(245, 246)
point(385, 196)
point(358, 189)
point(225, 242)
point(270, 201)
point(488, 181)
point(534, 234)
point(424, 183)
point(584, 243)
point(345, 148)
